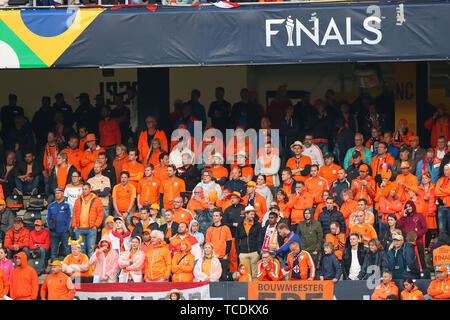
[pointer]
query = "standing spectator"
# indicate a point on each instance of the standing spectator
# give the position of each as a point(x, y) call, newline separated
point(120, 159)
point(90, 155)
point(329, 170)
point(171, 188)
point(179, 150)
point(396, 256)
point(383, 157)
point(371, 118)
point(189, 172)
point(170, 228)
point(413, 267)
point(365, 229)
point(417, 153)
point(87, 218)
point(62, 173)
point(337, 238)
point(364, 186)
point(219, 111)
point(278, 106)
point(73, 190)
point(376, 258)
point(60, 105)
point(353, 169)
point(263, 190)
point(107, 169)
point(366, 154)
point(289, 131)
point(148, 188)
point(244, 112)
point(268, 164)
point(320, 123)
point(330, 267)
point(58, 284)
point(198, 110)
point(124, 196)
point(270, 238)
point(186, 120)
point(40, 240)
point(254, 199)
point(311, 235)
point(339, 185)
point(208, 268)
point(63, 131)
point(298, 202)
point(289, 237)
point(24, 284)
point(248, 241)
point(219, 235)
point(131, 262)
point(7, 218)
point(58, 221)
point(316, 185)
point(7, 170)
point(17, 239)
point(158, 262)
point(51, 151)
point(183, 263)
point(299, 263)
point(299, 164)
point(235, 183)
point(426, 164)
point(442, 191)
point(353, 258)
point(348, 207)
point(330, 213)
point(147, 135)
point(109, 132)
point(439, 125)
point(402, 135)
point(42, 121)
point(106, 262)
point(386, 288)
point(439, 289)
point(101, 186)
point(7, 115)
point(85, 114)
point(194, 231)
point(405, 181)
point(73, 152)
point(411, 291)
point(4, 284)
point(20, 138)
point(312, 150)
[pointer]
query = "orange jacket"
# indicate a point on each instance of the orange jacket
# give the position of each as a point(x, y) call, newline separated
point(158, 263)
point(50, 154)
point(143, 143)
point(96, 212)
point(410, 180)
point(329, 172)
point(415, 294)
point(389, 206)
point(148, 189)
point(403, 139)
point(295, 164)
point(382, 291)
point(430, 205)
point(338, 242)
point(305, 262)
point(193, 205)
point(74, 157)
point(136, 171)
point(442, 190)
point(273, 274)
point(87, 161)
point(118, 165)
point(182, 215)
point(21, 237)
point(244, 277)
point(439, 290)
point(183, 265)
point(219, 172)
point(438, 128)
point(316, 186)
point(109, 133)
point(4, 283)
point(364, 192)
point(297, 204)
point(377, 162)
point(259, 204)
point(24, 282)
point(59, 287)
point(366, 230)
point(347, 208)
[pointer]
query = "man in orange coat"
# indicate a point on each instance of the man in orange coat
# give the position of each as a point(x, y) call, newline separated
point(58, 284)
point(316, 185)
point(439, 125)
point(439, 289)
point(74, 154)
point(268, 268)
point(381, 158)
point(24, 282)
point(299, 263)
point(4, 284)
point(158, 262)
point(147, 135)
point(299, 164)
point(365, 229)
point(405, 181)
point(330, 169)
point(17, 238)
point(179, 213)
point(336, 238)
point(386, 288)
point(252, 198)
point(297, 203)
point(363, 187)
point(90, 155)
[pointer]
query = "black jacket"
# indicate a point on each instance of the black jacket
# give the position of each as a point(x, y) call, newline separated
point(381, 261)
point(21, 169)
point(251, 242)
point(53, 178)
point(233, 214)
point(253, 120)
point(347, 259)
point(326, 217)
point(163, 228)
point(191, 176)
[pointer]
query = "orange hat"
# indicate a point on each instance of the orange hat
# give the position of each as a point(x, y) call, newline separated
point(414, 138)
point(137, 215)
point(405, 165)
point(235, 193)
point(386, 174)
point(364, 167)
point(38, 222)
point(90, 137)
point(442, 268)
point(2, 202)
point(251, 184)
point(147, 230)
point(389, 187)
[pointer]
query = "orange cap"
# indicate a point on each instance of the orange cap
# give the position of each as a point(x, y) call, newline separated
point(90, 137)
point(405, 165)
point(442, 268)
point(38, 222)
point(414, 138)
point(137, 215)
point(364, 167)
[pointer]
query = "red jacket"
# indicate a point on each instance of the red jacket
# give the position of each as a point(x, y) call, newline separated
point(21, 237)
point(42, 239)
point(109, 133)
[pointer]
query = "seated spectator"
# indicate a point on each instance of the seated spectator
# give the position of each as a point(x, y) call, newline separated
point(90, 155)
point(287, 183)
point(386, 238)
point(411, 292)
point(219, 172)
point(348, 207)
point(374, 140)
point(74, 153)
point(76, 264)
point(124, 195)
point(252, 198)
point(298, 202)
point(385, 288)
point(109, 226)
point(353, 257)
point(109, 131)
point(183, 235)
point(7, 217)
point(439, 289)
point(208, 267)
point(403, 134)
point(182, 146)
point(426, 164)
point(148, 134)
point(365, 229)
point(146, 243)
point(106, 262)
point(235, 183)
point(329, 170)
point(377, 258)
point(404, 157)
point(299, 263)
point(210, 188)
point(158, 262)
point(120, 159)
point(20, 137)
point(337, 238)
point(198, 201)
point(243, 275)
point(7, 171)
point(183, 263)
point(389, 205)
point(131, 262)
point(246, 168)
point(330, 268)
point(40, 240)
point(17, 239)
point(135, 219)
point(405, 181)
point(316, 185)
point(299, 164)
point(28, 175)
point(268, 268)
point(189, 172)
point(369, 217)
point(311, 235)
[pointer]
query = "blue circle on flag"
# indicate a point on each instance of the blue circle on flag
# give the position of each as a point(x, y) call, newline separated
point(48, 23)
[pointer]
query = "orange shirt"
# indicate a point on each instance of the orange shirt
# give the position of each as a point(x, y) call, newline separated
point(154, 158)
point(182, 215)
point(368, 218)
point(364, 192)
point(316, 186)
point(297, 204)
point(347, 208)
point(118, 165)
point(74, 157)
point(218, 236)
point(287, 187)
point(366, 230)
point(87, 161)
point(410, 180)
point(219, 172)
point(294, 164)
point(109, 133)
point(143, 143)
point(136, 171)
point(50, 154)
point(123, 196)
point(329, 172)
point(82, 145)
point(61, 176)
point(338, 242)
point(193, 205)
point(58, 286)
point(148, 189)
point(259, 203)
point(377, 162)
point(160, 172)
point(81, 259)
point(171, 188)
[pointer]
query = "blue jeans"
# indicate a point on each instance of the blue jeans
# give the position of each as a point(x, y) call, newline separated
point(27, 186)
point(88, 242)
point(56, 239)
point(12, 253)
point(444, 220)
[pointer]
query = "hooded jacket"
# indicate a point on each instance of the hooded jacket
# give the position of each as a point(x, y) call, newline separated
point(183, 265)
point(158, 263)
point(4, 283)
point(24, 284)
point(215, 272)
point(96, 212)
point(414, 222)
point(382, 291)
point(246, 276)
point(133, 264)
point(106, 264)
point(414, 294)
point(198, 235)
point(310, 234)
point(327, 216)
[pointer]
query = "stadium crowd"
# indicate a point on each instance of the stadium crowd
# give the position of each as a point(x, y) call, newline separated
point(336, 191)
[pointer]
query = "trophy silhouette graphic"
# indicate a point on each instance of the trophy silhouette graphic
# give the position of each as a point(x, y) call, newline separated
point(290, 30)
